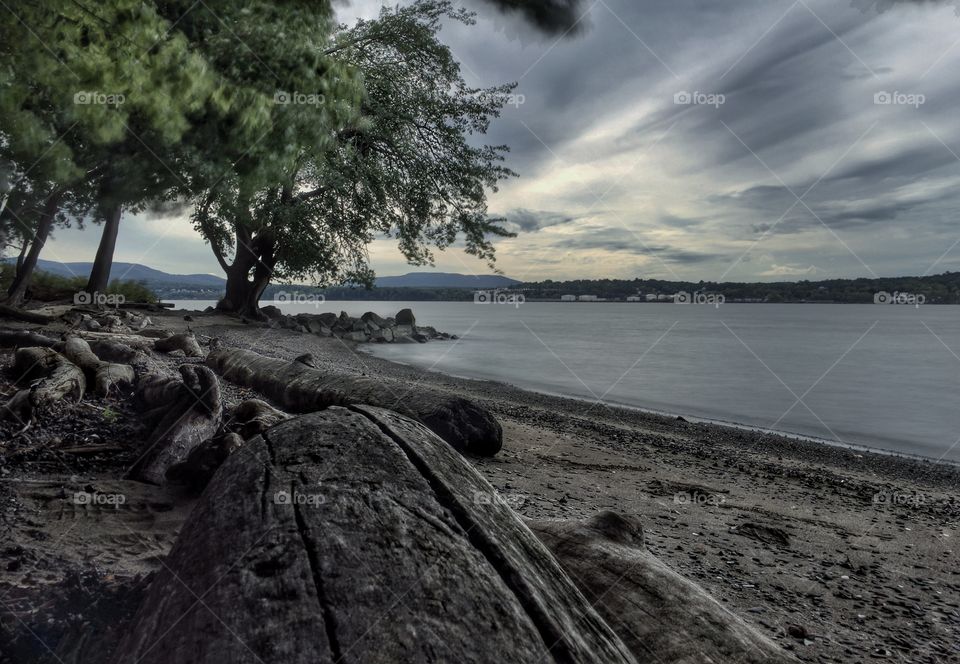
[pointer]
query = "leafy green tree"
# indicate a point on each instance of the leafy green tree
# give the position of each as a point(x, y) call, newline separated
point(79, 81)
point(398, 161)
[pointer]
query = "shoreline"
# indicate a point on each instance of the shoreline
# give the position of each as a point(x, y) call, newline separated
point(780, 433)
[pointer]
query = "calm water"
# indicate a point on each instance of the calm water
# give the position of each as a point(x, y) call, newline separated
point(883, 376)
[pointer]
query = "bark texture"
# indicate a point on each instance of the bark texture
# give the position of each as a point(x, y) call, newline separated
point(183, 413)
point(660, 615)
point(299, 388)
point(357, 536)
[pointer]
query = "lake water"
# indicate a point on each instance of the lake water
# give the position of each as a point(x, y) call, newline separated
point(881, 376)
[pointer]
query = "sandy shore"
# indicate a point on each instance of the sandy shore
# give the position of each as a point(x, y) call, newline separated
point(838, 555)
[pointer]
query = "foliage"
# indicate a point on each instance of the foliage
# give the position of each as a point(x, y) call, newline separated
point(48, 287)
point(399, 162)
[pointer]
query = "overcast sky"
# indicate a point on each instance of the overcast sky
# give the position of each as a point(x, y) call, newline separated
point(821, 140)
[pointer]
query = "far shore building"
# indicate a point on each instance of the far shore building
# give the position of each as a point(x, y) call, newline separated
point(635, 298)
point(568, 298)
point(587, 298)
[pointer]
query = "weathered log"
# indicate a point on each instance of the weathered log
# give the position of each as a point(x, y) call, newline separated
point(13, 313)
point(134, 341)
point(660, 615)
point(202, 463)
point(254, 416)
point(110, 350)
point(298, 388)
point(51, 376)
point(104, 376)
point(357, 536)
point(24, 339)
point(189, 414)
point(184, 342)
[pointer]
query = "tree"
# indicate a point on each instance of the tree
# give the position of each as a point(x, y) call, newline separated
point(402, 164)
point(81, 80)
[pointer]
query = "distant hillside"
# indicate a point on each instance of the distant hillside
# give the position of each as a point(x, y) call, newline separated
point(445, 280)
point(133, 272)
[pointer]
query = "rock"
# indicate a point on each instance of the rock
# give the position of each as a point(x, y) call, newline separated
point(188, 318)
point(356, 336)
point(383, 336)
point(306, 358)
point(765, 534)
point(209, 310)
point(371, 317)
point(406, 317)
point(271, 311)
point(315, 326)
point(403, 339)
point(404, 330)
point(327, 318)
point(420, 338)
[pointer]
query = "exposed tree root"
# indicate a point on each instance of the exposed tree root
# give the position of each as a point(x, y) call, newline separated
point(299, 388)
point(24, 339)
point(53, 377)
point(186, 413)
point(104, 376)
point(185, 342)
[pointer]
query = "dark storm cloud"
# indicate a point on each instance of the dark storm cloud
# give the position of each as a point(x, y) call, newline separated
point(528, 221)
point(558, 17)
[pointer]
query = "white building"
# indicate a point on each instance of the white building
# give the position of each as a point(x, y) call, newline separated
point(587, 298)
point(651, 297)
point(634, 298)
point(568, 298)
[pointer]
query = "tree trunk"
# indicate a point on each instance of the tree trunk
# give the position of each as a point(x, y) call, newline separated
point(100, 274)
point(18, 289)
point(297, 388)
point(243, 290)
point(359, 536)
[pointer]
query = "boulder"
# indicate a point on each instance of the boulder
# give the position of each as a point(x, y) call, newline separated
point(328, 318)
point(371, 317)
point(406, 330)
point(420, 338)
point(406, 317)
point(383, 336)
point(271, 311)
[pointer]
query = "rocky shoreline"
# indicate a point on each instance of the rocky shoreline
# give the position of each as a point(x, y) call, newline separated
point(370, 327)
point(834, 554)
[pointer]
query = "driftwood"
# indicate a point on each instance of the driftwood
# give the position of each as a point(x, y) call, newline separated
point(660, 615)
point(133, 341)
point(24, 339)
point(110, 350)
point(184, 413)
point(298, 388)
point(254, 416)
point(13, 313)
point(198, 468)
point(104, 376)
point(357, 536)
point(53, 378)
point(184, 341)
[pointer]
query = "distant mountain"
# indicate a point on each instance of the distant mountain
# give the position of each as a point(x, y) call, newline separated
point(133, 272)
point(445, 280)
